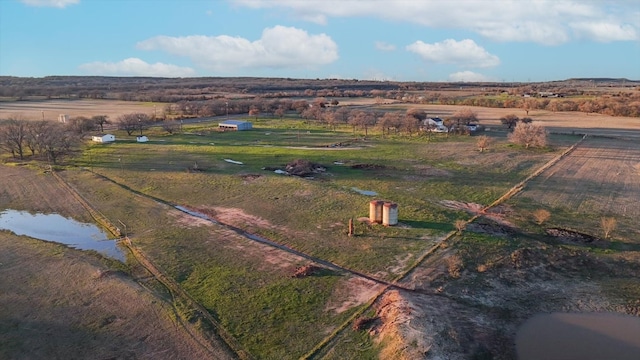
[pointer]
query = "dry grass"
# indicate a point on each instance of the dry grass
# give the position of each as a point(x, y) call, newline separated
point(597, 176)
point(60, 303)
point(541, 215)
point(34, 110)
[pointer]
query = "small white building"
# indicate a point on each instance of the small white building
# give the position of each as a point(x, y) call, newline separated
point(103, 138)
point(236, 125)
point(63, 118)
point(142, 138)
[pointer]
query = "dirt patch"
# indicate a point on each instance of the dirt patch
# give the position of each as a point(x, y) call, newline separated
point(306, 270)
point(575, 238)
point(186, 220)
point(352, 292)
point(250, 177)
point(368, 166)
point(491, 228)
point(471, 208)
point(236, 217)
point(430, 171)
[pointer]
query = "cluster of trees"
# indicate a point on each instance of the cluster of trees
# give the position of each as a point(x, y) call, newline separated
point(40, 139)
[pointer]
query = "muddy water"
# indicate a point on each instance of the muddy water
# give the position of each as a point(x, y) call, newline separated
point(53, 227)
point(584, 336)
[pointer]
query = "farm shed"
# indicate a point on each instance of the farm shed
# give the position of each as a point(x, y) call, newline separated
point(237, 125)
point(103, 138)
point(142, 138)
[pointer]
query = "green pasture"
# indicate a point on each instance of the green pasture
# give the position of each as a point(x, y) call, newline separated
point(271, 314)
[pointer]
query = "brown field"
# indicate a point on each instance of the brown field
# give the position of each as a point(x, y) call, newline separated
point(57, 302)
point(600, 178)
point(50, 109)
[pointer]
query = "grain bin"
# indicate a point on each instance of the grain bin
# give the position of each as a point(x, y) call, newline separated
point(389, 214)
point(375, 211)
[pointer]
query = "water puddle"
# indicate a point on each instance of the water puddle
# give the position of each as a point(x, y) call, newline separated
point(585, 336)
point(364, 192)
point(53, 227)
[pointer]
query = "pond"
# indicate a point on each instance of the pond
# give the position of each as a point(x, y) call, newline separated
point(583, 336)
point(56, 228)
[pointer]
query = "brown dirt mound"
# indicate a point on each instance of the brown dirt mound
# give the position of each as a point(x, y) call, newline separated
point(307, 270)
point(301, 167)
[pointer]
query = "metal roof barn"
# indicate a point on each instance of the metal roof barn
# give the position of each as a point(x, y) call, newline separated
point(237, 125)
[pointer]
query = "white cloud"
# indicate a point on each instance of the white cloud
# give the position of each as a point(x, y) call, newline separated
point(542, 21)
point(278, 47)
point(136, 67)
point(383, 46)
point(50, 3)
point(465, 53)
point(468, 76)
point(605, 31)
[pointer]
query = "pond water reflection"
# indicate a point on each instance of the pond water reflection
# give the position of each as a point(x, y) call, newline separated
point(53, 227)
point(584, 336)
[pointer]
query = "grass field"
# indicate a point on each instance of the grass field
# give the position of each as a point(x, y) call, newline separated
point(248, 286)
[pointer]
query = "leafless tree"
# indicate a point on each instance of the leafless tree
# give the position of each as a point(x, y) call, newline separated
point(483, 142)
point(57, 141)
point(13, 135)
point(454, 266)
point(133, 122)
point(541, 215)
point(460, 225)
point(81, 124)
point(100, 120)
point(529, 135)
point(510, 120)
point(390, 120)
point(608, 225)
point(410, 124)
point(254, 111)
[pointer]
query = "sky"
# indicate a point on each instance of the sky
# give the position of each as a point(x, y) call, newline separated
point(395, 40)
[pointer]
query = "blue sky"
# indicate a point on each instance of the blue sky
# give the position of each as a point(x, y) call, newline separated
point(403, 40)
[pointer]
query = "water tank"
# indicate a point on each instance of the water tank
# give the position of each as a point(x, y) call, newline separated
point(389, 214)
point(375, 211)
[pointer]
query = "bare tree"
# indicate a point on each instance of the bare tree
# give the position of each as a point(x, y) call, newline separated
point(454, 266)
point(390, 120)
point(133, 122)
point(81, 124)
point(101, 120)
point(510, 120)
point(483, 142)
point(529, 135)
point(57, 141)
point(460, 225)
point(13, 137)
point(254, 111)
point(541, 215)
point(608, 225)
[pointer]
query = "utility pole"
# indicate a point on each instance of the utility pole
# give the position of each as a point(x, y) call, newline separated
point(227, 106)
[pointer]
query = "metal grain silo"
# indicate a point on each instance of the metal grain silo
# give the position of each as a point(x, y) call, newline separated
point(375, 211)
point(389, 214)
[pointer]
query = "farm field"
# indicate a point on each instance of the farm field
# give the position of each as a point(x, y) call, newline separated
point(601, 178)
point(479, 279)
point(50, 109)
